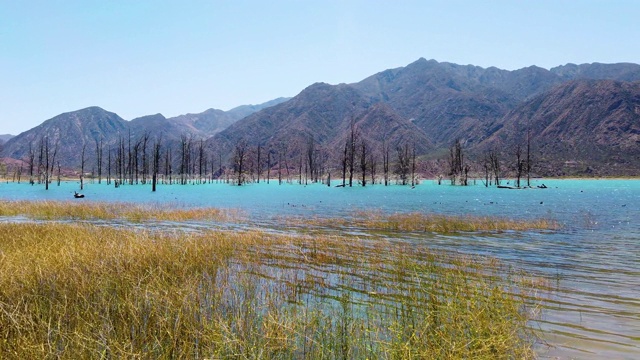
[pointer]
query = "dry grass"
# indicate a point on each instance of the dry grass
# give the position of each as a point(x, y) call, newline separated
point(68, 210)
point(435, 223)
point(82, 291)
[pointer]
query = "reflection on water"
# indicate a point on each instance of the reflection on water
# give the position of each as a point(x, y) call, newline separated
point(593, 262)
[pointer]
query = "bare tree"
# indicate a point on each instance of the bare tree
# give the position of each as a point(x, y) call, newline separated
point(156, 162)
point(344, 161)
point(46, 163)
point(494, 160)
point(312, 157)
point(258, 163)
point(109, 166)
point(519, 166)
point(403, 164)
point(413, 165)
point(373, 164)
point(385, 161)
point(99, 159)
point(353, 139)
point(456, 162)
point(82, 162)
point(364, 158)
point(528, 169)
point(269, 164)
point(30, 161)
point(145, 160)
point(239, 158)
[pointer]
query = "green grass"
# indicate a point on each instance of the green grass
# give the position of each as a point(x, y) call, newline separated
point(83, 291)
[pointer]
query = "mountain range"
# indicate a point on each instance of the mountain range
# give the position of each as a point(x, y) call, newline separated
point(580, 119)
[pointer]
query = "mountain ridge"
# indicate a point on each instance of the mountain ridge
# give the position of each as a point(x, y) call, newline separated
point(429, 104)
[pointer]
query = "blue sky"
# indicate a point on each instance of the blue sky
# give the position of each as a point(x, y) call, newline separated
point(143, 57)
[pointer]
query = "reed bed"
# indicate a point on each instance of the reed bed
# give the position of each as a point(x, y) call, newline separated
point(73, 210)
point(420, 222)
point(82, 291)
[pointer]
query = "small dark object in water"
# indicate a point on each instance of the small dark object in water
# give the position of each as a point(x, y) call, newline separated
point(541, 203)
point(543, 186)
point(77, 196)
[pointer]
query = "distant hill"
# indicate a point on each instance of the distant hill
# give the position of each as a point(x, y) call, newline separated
point(6, 137)
point(70, 132)
point(73, 130)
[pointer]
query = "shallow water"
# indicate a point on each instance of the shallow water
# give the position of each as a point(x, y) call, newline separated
point(593, 262)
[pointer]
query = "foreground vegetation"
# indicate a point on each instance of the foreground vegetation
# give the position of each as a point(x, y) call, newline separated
point(68, 210)
point(413, 222)
point(83, 291)
point(420, 222)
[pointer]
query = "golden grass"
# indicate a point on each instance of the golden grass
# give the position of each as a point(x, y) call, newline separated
point(61, 210)
point(435, 223)
point(83, 291)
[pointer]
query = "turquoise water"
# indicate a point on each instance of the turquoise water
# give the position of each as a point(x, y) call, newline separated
point(593, 261)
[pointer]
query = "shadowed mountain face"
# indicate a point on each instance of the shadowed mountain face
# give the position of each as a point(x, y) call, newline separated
point(581, 123)
point(325, 113)
point(578, 113)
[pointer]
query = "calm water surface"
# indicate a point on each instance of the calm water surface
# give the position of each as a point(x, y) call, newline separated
point(593, 261)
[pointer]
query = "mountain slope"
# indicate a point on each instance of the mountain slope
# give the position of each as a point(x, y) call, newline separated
point(324, 112)
point(70, 132)
point(591, 122)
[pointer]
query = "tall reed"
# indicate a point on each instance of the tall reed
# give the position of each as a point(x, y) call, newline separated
point(73, 210)
point(81, 291)
point(424, 222)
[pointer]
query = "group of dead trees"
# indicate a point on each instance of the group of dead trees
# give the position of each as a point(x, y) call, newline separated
point(43, 170)
point(357, 162)
point(491, 164)
point(145, 159)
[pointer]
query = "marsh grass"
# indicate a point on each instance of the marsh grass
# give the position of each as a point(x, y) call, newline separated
point(83, 291)
point(68, 210)
point(420, 222)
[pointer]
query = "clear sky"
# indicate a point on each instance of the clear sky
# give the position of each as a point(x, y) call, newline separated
point(144, 57)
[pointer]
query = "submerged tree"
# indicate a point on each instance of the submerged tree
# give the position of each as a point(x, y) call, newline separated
point(239, 158)
point(385, 161)
point(99, 159)
point(457, 169)
point(82, 161)
point(156, 162)
point(403, 164)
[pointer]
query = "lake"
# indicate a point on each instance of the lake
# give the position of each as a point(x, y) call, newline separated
point(593, 261)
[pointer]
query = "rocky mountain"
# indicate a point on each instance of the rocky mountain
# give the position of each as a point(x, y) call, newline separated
point(578, 114)
point(588, 126)
point(325, 113)
point(450, 101)
point(441, 102)
point(69, 132)
point(73, 130)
